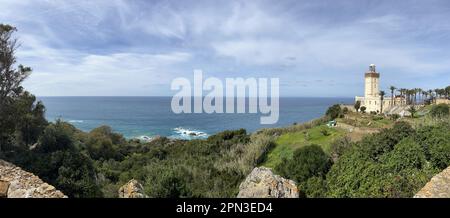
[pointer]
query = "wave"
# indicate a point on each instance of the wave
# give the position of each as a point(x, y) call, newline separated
point(184, 133)
point(76, 121)
point(145, 138)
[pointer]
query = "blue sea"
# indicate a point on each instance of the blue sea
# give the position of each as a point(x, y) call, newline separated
point(146, 117)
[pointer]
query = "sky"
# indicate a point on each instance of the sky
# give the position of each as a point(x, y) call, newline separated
point(316, 48)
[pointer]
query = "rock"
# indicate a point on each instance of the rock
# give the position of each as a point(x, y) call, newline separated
point(262, 183)
point(21, 184)
point(437, 187)
point(4, 185)
point(133, 189)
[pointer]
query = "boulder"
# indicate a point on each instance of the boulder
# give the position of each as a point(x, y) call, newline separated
point(437, 187)
point(4, 185)
point(263, 183)
point(133, 189)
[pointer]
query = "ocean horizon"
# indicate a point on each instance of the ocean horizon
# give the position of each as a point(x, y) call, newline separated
point(145, 117)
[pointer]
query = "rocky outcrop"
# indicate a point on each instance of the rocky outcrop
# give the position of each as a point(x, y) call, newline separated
point(437, 187)
point(262, 183)
point(133, 189)
point(17, 183)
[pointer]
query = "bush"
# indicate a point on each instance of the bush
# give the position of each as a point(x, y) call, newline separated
point(394, 117)
point(57, 136)
point(339, 147)
point(406, 154)
point(307, 162)
point(334, 111)
point(363, 109)
point(440, 111)
point(314, 187)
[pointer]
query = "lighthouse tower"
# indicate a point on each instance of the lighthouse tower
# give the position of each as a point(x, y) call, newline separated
point(372, 98)
point(372, 80)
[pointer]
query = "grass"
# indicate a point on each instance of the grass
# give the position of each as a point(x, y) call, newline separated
point(287, 143)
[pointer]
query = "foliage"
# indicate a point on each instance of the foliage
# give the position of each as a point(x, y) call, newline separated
point(363, 109)
point(440, 111)
point(412, 110)
point(357, 105)
point(334, 112)
point(307, 162)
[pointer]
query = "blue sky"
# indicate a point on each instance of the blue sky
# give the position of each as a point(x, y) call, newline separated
point(316, 48)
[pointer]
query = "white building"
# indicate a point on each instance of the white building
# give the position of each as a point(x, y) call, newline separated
point(372, 99)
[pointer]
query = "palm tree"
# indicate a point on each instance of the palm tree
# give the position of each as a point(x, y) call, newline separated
point(447, 91)
point(419, 91)
point(392, 88)
point(412, 110)
point(425, 96)
point(382, 93)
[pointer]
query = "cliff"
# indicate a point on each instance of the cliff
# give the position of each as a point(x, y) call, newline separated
point(17, 183)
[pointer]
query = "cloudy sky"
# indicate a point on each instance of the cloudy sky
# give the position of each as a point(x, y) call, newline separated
point(316, 48)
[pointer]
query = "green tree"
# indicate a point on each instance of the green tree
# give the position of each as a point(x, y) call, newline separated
point(412, 110)
point(382, 94)
point(392, 88)
point(440, 111)
point(363, 109)
point(306, 162)
point(357, 105)
point(11, 78)
point(334, 111)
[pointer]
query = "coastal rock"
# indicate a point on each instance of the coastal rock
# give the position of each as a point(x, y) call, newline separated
point(262, 183)
point(133, 189)
point(437, 187)
point(17, 183)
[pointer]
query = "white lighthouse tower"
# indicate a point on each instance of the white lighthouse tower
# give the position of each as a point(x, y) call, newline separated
point(371, 99)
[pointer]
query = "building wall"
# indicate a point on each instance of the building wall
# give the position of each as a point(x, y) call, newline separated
point(442, 101)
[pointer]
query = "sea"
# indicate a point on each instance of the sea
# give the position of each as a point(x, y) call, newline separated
point(148, 117)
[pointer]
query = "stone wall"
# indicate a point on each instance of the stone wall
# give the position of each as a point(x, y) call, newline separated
point(17, 183)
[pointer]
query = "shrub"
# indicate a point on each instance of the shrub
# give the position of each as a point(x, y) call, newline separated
point(314, 187)
point(56, 136)
point(406, 154)
point(307, 161)
point(334, 111)
point(363, 109)
point(345, 110)
point(357, 105)
point(394, 117)
point(339, 147)
point(440, 111)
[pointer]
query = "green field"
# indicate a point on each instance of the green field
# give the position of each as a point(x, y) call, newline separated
point(287, 143)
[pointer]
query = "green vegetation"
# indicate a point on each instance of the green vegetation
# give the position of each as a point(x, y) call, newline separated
point(440, 111)
point(334, 112)
point(287, 143)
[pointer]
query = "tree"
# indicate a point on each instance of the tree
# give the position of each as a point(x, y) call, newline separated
point(306, 162)
point(334, 111)
point(363, 109)
point(382, 94)
point(357, 105)
point(412, 110)
point(10, 78)
point(392, 88)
